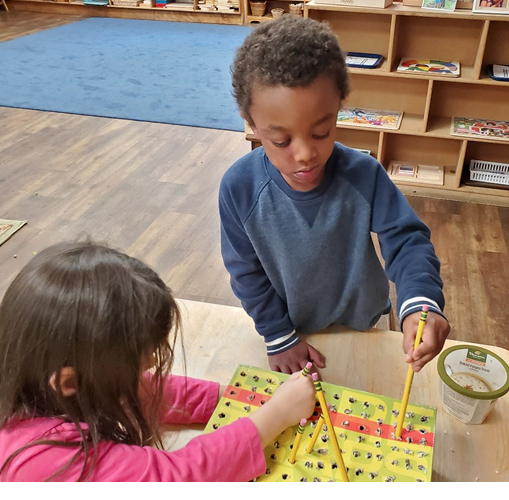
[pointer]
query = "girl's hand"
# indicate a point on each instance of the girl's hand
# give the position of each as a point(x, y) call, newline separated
point(435, 333)
point(293, 401)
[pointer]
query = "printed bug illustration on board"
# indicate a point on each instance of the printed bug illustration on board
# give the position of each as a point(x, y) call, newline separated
point(364, 424)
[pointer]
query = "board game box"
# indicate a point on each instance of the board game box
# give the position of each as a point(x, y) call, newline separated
point(364, 424)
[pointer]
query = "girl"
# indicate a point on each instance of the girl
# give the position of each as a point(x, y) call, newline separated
point(79, 327)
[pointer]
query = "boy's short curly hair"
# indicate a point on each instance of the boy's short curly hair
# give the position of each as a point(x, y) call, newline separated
point(291, 51)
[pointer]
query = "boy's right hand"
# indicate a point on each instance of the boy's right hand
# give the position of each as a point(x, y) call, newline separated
point(294, 400)
point(295, 359)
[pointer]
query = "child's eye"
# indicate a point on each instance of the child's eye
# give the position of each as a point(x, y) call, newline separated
point(322, 136)
point(281, 144)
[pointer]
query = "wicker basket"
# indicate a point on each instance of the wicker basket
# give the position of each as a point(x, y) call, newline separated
point(297, 9)
point(277, 12)
point(258, 8)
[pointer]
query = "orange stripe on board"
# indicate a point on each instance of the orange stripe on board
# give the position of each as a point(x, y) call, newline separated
point(356, 424)
point(243, 396)
point(369, 427)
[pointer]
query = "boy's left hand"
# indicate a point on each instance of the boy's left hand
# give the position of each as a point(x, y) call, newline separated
point(433, 337)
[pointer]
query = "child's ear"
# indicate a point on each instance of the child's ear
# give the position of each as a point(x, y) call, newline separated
point(68, 383)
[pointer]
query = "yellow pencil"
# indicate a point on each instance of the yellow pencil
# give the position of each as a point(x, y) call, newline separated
point(296, 443)
point(410, 372)
point(305, 372)
point(328, 421)
point(318, 428)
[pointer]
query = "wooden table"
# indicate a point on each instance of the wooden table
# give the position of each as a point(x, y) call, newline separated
point(218, 338)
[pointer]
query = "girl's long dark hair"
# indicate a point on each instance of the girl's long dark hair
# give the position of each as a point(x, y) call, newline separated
point(102, 313)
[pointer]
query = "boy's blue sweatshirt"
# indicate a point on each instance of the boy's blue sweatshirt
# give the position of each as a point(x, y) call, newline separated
point(301, 261)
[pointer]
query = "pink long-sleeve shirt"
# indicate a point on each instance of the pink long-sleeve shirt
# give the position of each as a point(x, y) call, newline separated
point(231, 453)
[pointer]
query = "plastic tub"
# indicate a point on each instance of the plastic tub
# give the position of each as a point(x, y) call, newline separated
point(471, 380)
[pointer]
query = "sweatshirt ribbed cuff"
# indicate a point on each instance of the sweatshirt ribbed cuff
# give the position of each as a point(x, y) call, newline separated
point(282, 344)
point(415, 305)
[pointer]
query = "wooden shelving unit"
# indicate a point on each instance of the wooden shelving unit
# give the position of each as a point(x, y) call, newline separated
point(428, 102)
point(178, 11)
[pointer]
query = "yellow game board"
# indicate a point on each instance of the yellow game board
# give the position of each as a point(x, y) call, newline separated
point(364, 424)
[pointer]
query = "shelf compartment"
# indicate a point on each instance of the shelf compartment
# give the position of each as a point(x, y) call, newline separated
point(423, 151)
point(452, 99)
point(348, 25)
point(487, 152)
point(439, 38)
point(497, 46)
point(359, 139)
point(498, 153)
point(392, 94)
point(267, 16)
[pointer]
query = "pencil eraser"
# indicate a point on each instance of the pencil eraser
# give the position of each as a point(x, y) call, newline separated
point(309, 365)
point(425, 307)
point(315, 376)
point(303, 422)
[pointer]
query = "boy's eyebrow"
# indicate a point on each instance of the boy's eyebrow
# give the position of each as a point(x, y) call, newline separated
point(319, 122)
point(275, 127)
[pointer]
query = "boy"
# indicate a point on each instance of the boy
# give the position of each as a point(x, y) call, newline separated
point(296, 214)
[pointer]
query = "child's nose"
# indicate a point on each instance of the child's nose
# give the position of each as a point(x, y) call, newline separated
point(304, 152)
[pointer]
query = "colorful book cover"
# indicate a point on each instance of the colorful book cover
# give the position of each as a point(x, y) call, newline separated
point(429, 67)
point(492, 6)
point(447, 5)
point(370, 118)
point(476, 127)
point(364, 424)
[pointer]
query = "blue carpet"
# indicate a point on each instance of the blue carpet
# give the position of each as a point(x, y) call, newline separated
point(153, 71)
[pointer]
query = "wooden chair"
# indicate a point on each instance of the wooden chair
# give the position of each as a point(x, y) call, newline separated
point(5, 5)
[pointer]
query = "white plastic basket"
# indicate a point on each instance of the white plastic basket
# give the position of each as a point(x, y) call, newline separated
point(489, 171)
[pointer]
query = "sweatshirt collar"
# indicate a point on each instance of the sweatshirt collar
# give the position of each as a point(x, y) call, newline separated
point(314, 193)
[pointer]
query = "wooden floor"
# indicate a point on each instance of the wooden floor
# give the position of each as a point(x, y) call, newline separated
point(151, 190)
point(14, 24)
